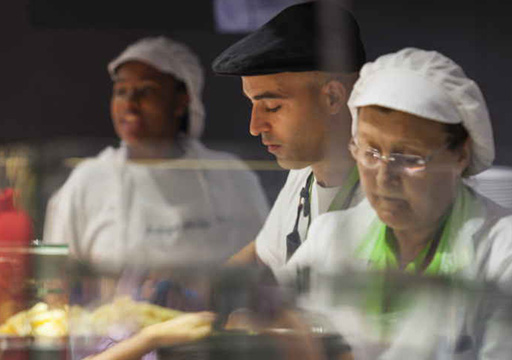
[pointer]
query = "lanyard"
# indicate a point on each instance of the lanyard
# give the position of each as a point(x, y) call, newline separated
point(341, 201)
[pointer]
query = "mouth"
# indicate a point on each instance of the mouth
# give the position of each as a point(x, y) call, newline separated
point(272, 148)
point(390, 200)
point(130, 118)
point(131, 125)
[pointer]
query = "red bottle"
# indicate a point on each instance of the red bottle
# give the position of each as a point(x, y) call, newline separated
point(16, 233)
point(15, 224)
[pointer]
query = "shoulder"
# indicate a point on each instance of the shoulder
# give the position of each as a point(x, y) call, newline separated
point(497, 252)
point(499, 227)
point(493, 210)
point(195, 149)
point(497, 220)
point(221, 160)
point(218, 159)
point(343, 225)
point(227, 171)
point(92, 170)
point(335, 235)
point(494, 240)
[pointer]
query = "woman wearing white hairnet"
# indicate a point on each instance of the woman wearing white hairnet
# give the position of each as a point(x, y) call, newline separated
point(193, 205)
point(420, 127)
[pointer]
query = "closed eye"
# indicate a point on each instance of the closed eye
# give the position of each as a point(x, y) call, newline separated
point(119, 91)
point(274, 109)
point(410, 160)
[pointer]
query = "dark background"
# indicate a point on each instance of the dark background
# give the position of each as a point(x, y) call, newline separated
point(55, 53)
point(55, 88)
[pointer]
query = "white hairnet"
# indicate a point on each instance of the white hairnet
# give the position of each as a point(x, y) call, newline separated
point(429, 85)
point(176, 59)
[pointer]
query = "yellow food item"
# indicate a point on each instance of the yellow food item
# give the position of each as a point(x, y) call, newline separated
point(122, 313)
point(37, 321)
point(41, 321)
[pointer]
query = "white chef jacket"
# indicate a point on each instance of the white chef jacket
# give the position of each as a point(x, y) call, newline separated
point(271, 240)
point(482, 243)
point(111, 211)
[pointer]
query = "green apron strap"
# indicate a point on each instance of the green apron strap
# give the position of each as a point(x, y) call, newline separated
point(344, 197)
point(379, 247)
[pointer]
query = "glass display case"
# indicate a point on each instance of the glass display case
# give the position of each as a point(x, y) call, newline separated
point(70, 310)
point(34, 301)
point(395, 315)
point(255, 317)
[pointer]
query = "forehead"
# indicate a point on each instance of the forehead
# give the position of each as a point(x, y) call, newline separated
point(287, 84)
point(397, 127)
point(136, 70)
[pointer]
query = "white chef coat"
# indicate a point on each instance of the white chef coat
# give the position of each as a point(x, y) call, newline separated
point(112, 211)
point(482, 244)
point(271, 240)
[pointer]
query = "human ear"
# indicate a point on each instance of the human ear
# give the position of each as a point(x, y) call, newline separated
point(182, 103)
point(464, 158)
point(336, 95)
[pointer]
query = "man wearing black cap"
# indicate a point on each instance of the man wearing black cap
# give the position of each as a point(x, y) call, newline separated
point(299, 110)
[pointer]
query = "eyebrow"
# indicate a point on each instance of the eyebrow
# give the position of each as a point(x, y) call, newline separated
point(117, 78)
point(269, 95)
point(401, 144)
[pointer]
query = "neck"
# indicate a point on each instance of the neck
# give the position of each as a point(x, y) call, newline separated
point(160, 150)
point(337, 161)
point(411, 242)
point(332, 173)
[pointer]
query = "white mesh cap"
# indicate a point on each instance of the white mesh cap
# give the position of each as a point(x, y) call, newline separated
point(429, 85)
point(176, 59)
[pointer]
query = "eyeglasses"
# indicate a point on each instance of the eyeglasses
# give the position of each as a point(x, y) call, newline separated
point(410, 164)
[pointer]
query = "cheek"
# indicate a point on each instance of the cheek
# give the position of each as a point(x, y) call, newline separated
point(158, 117)
point(286, 125)
point(418, 194)
point(429, 198)
point(313, 117)
point(114, 108)
point(155, 109)
point(312, 126)
point(368, 180)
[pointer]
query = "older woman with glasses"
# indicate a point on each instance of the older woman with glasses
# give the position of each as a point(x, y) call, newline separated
point(420, 127)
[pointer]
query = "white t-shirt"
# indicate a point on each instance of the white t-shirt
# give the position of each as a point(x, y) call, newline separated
point(271, 241)
point(202, 207)
point(323, 197)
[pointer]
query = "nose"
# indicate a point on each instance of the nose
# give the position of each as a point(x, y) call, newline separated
point(130, 100)
point(387, 174)
point(133, 96)
point(259, 124)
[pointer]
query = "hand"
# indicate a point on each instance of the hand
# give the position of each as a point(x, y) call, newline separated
point(185, 328)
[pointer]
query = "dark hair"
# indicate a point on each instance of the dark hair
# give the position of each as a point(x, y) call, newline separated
point(457, 135)
point(181, 87)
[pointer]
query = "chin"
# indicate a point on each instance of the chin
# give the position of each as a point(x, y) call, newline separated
point(292, 164)
point(395, 219)
point(131, 141)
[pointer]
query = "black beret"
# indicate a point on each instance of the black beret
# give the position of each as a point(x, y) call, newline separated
point(292, 41)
